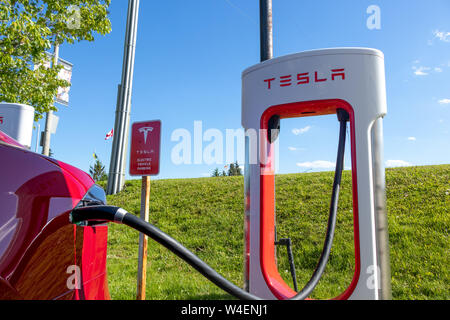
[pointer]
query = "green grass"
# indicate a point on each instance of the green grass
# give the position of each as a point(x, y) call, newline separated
point(206, 215)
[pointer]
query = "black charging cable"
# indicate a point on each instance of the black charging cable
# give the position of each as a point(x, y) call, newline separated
point(343, 118)
point(119, 215)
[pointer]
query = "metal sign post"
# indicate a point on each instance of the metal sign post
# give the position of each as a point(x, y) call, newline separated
point(62, 96)
point(143, 240)
point(144, 161)
point(48, 120)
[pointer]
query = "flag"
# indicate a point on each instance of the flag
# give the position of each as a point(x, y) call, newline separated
point(110, 134)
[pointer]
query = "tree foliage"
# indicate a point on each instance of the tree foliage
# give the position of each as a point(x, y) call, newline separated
point(233, 170)
point(97, 171)
point(216, 173)
point(29, 28)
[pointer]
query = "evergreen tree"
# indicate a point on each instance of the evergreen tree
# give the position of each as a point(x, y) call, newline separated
point(231, 170)
point(216, 173)
point(98, 171)
point(234, 170)
point(238, 171)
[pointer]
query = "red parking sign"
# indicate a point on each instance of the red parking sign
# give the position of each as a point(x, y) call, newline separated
point(145, 148)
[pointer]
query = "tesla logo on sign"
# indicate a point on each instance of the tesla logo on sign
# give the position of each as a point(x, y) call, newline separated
point(304, 78)
point(145, 131)
point(145, 148)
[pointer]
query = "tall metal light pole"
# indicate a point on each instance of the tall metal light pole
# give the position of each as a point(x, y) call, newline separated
point(49, 116)
point(266, 29)
point(116, 177)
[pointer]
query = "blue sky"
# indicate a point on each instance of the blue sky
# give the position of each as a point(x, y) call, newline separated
point(189, 60)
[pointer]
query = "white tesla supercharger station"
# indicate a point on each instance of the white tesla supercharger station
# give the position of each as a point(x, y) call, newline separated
point(16, 120)
point(315, 83)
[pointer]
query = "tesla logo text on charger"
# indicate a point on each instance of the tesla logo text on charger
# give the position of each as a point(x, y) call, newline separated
point(1, 120)
point(304, 78)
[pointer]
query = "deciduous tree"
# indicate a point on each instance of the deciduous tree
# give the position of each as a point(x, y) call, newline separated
point(29, 28)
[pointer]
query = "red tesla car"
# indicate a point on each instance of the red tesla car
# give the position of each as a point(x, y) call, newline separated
point(42, 255)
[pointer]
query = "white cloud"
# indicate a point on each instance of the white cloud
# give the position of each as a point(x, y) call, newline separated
point(296, 149)
point(412, 138)
point(424, 71)
point(397, 163)
point(444, 101)
point(442, 35)
point(301, 130)
point(421, 71)
point(318, 164)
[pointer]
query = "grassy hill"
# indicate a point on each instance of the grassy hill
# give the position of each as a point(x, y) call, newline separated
point(206, 215)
